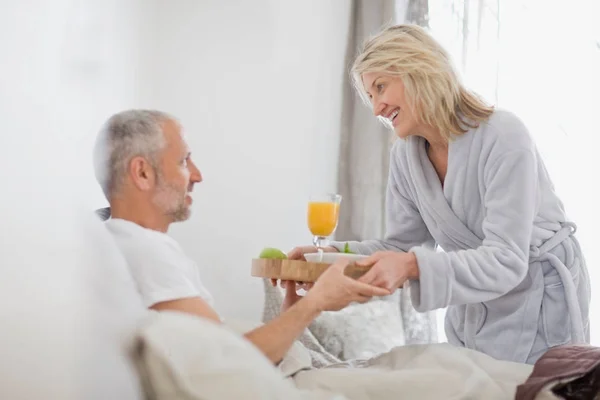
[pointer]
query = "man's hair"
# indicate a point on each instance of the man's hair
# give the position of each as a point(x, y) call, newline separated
point(128, 134)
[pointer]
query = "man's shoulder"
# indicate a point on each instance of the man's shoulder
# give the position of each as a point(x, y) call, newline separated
point(158, 264)
point(141, 243)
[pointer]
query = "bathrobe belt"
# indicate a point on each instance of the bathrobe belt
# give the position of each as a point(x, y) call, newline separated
point(542, 253)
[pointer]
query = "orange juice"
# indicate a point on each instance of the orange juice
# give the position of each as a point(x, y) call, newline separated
point(322, 217)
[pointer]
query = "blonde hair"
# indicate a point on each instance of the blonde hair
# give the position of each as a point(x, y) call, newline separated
point(432, 86)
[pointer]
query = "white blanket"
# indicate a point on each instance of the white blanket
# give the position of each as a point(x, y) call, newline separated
point(180, 357)
point(438, 371)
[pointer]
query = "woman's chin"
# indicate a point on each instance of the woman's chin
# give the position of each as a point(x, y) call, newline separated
point(402, 134)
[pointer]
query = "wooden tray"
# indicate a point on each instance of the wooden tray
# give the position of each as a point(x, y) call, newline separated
point(296, 270)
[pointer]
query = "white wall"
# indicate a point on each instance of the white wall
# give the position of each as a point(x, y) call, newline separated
point(257, 86)
point(64, 66)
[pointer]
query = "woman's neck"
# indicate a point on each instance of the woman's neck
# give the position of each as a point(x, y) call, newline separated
point(432, 135)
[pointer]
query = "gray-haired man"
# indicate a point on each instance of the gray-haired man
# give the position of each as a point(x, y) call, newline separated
point(146, 172)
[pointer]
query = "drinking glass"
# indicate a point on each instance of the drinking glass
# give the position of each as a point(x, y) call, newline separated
point(322, 218)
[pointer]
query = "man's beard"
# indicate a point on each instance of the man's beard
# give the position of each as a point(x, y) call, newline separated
point(170, 199)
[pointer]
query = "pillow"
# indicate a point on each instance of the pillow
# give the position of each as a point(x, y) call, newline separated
point(180, 356)
point(361, 330)
point(358, 331)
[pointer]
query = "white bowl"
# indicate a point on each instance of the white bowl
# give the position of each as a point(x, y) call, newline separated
point(330, 258)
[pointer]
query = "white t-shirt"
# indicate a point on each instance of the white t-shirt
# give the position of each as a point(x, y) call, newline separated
point(158, 264)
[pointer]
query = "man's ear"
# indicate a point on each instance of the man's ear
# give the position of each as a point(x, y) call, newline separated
point(142, 173)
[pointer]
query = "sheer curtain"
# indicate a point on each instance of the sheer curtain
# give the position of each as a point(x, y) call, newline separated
point(540, 60)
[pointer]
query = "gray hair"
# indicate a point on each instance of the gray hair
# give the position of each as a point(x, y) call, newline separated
point(128, 134)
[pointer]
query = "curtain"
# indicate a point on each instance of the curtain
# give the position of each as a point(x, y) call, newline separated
point(364, 141)
point(365, 144)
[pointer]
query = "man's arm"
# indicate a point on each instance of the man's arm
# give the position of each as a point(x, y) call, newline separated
point(277, 336)
point(333, 291)
point(274, 338)
point(193, 305)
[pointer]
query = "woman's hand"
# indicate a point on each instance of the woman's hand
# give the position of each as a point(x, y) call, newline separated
point(389, 269)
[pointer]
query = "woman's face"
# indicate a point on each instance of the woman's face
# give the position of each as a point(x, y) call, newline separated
point(387, 97)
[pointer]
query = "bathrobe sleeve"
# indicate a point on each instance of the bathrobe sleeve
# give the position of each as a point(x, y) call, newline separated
point(501, 262)
point(404, 225)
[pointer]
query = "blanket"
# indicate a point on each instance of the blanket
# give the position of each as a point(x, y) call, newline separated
point(432, 371)
point(181, 357)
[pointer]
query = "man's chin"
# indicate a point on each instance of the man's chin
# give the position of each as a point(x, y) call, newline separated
point(182, 215)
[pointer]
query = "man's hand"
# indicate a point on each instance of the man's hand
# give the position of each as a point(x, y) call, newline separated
point(334, 290)
point(291, 295)
point(389, 269)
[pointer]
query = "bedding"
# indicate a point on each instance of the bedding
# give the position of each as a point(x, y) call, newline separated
point(361, 330)
point(185, 357)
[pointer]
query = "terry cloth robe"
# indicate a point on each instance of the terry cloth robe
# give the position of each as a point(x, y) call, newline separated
point(511, 272)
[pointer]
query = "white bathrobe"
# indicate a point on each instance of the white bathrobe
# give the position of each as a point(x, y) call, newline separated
point(511, 274)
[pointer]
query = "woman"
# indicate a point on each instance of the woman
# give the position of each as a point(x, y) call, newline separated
point(468, 178)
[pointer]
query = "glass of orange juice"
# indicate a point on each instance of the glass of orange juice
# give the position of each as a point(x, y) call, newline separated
point(322, 217)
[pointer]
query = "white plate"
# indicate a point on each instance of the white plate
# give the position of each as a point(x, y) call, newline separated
point(330, 258)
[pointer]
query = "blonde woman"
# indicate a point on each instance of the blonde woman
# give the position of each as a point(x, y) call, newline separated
point(468, 177)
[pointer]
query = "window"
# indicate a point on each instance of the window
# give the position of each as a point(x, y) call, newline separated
point(540, 60)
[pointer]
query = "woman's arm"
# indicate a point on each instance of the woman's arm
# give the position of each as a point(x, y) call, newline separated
point(404, 226)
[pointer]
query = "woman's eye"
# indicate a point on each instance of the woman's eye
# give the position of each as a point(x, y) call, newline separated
point(379, 87)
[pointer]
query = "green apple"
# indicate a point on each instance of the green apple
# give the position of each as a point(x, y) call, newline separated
point(273, 253)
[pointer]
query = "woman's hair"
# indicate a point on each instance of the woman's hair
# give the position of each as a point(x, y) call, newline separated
point(432, 86)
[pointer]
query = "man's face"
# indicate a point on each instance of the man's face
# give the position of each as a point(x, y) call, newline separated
point(175, 176)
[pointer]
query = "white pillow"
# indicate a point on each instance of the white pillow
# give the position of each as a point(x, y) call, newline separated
point(356, 332)
point(361, 331)
point(68, 307)
point(185, 357)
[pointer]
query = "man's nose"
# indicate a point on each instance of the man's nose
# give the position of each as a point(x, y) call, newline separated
point(195, 174)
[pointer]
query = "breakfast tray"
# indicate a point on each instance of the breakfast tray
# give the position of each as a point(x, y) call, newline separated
point(297, 270)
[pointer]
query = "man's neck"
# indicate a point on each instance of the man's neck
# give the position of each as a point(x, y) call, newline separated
point(139, 213)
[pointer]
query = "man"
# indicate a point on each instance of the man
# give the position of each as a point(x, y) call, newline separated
point(146, 172)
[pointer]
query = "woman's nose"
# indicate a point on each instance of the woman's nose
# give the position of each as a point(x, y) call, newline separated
point(378, 108)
